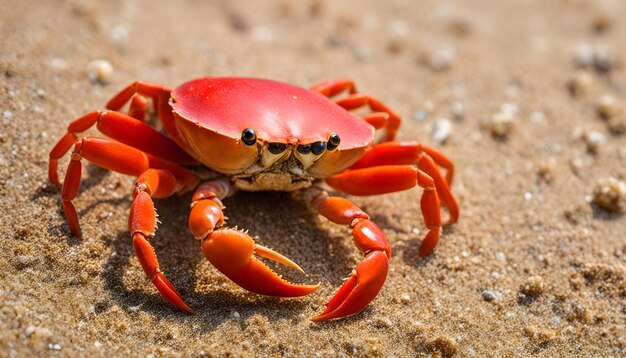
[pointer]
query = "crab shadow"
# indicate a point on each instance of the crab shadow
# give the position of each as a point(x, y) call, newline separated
point(603, 214)
point(274, 219)
point(410, 252)
point(51, 194)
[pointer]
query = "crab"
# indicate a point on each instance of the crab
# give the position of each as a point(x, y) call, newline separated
point(257, 134)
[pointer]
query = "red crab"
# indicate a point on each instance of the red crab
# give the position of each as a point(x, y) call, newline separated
point(256, 134)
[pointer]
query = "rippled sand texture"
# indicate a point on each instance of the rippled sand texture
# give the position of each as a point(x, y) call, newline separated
point(526, 97)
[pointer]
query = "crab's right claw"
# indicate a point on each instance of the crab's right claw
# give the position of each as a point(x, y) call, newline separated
point(232, 252)
point(360, 289)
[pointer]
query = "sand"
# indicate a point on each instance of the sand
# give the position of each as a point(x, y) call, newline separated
point(533, 267)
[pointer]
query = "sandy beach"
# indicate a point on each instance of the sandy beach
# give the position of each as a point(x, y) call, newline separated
point(527, 97)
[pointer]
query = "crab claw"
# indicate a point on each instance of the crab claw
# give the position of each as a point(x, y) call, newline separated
point(360, 289)
point(370, 274)
point(232, 252)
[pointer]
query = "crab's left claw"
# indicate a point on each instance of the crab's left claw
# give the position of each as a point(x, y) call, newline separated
point(232, 252)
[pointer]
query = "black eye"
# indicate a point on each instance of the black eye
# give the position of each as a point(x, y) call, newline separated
point(333, 141)
point(304, 149)
point(248, 136)
point(277, 148)
point(318, 148)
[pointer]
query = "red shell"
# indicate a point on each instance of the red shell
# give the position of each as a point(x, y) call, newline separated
point(277, 111)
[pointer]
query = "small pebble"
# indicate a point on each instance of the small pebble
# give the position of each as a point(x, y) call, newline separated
point(601, 24)
point(610, 194)
point(405, 298)
point(441, 130)
point(29, 331)
point(119, 34)
point(617, 124)
point(584, 55)
point(58, 64)
point(533, 286)
point(420, 115)
point(442, 58)
point(537, 117)
point(607, 107)
point(594, 141)
point(458, 111)
point(236, 314)
point(398, 28)
point(540, 336)
point(54, 346)
point(509, 108)
point(443, 346)
point(491, 296)
point(545, 169)
point(7, 114)
point(512, 89)
point(362, 52)
point(501, 124)
point(500, 256)
point(604, 60)
point(262, 34)
point(580, 83)
point(100, 71)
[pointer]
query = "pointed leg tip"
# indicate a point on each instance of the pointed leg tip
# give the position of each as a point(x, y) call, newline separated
point(333, 314)
point(187, 309)
point(326, 315)
point(425, 251)
point(76, 232)
point(318, 318)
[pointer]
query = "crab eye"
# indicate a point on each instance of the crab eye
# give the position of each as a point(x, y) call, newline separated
point(318, 148)
point(248, 136)
point(304, 148)
point(333, 141)
point(277, 148)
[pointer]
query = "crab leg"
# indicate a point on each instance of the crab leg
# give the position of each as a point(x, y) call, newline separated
point(153, 183)
point(369, 276)
point(138, 107)
point(137, 93)
point(122, 128)
point(144, 88)
point(426, 159)
point(232, 251)
point(392, 178)
point(115, 156)
point(354, 100)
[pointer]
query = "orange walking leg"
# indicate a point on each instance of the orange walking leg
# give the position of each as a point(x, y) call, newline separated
point(122, 128)
point(426, 159)
point(115, 156)
point(392, 178)
point(382, 116)
point(153, 183)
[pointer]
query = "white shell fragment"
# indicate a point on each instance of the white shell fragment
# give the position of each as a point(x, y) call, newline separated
point(594, 141)
point(608, 107)
point(501, 123)
point(100, 71)
point(441, 130)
